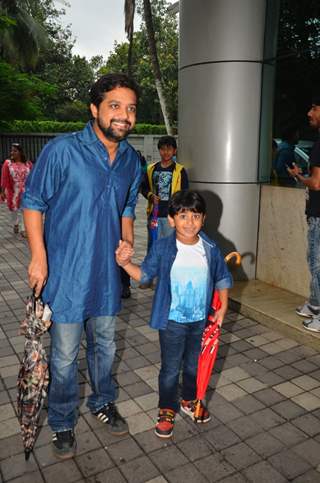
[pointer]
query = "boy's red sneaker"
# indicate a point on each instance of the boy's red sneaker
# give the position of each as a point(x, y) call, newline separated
point(188, 407)
point(164, 427)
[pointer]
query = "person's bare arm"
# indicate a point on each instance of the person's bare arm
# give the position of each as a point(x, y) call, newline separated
point(221, 313)
point(127, 229)
point(133, 270)
point(38, 268)
point(312, 182)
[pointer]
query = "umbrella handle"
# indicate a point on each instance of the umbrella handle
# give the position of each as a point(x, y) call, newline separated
point(197, 410)
point(232, 255)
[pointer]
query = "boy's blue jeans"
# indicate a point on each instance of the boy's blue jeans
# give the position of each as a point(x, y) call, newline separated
point(63, 399)
point(313, 257)
point(180, 347)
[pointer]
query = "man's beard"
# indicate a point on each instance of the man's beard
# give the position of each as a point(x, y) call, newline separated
point(110, 133)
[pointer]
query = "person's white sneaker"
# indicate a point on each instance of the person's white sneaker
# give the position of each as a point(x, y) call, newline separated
point(312, 324)
point(308, 310)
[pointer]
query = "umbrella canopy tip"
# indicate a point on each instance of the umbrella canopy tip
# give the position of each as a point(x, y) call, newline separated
point(27, 454)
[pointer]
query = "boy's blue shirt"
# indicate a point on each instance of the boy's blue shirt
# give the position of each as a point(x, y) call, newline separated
point(158, 263)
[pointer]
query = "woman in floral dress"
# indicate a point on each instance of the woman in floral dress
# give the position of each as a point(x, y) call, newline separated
point(13, 177)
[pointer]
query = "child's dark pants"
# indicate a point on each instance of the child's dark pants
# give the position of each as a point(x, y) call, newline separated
point(180, 347)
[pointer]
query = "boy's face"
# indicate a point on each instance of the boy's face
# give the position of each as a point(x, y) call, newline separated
point(187, 225)
point(167, 153)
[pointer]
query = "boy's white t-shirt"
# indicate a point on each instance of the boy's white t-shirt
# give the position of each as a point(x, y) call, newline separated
point(189, 278)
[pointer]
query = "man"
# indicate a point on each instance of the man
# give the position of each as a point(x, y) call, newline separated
point(311, 308)
point(87, 184)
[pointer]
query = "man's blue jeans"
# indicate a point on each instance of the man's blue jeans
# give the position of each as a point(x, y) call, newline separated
point(63, 400)
point(313, 257)
point(180, 347)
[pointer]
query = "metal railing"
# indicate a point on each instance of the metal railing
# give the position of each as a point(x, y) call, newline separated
point(34, 142)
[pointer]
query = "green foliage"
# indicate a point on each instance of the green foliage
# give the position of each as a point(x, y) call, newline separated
point(22, 96)
point(298, 66)
point(60, 127)
point(72, 111)
point(166, 32)
point(40, 126)
point(144, 128)
point(21, 34)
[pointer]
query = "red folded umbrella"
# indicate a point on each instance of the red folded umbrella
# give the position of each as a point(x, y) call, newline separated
point(209, 347)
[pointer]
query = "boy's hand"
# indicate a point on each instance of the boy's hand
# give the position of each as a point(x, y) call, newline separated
point(219, 317)
point(124, 253)
point(155, 199)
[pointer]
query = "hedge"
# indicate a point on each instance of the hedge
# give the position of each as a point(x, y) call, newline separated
point(60, 127)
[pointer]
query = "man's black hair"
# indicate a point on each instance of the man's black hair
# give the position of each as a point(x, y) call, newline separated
point(186, 200)
point(316, 99)
point(167, 141)
point(109, 82)
point(290, 132)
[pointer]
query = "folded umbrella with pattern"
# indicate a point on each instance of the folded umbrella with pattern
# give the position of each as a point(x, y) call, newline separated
point(33, 378)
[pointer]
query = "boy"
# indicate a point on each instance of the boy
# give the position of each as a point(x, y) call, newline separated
point(189, 266)
point(162, 180)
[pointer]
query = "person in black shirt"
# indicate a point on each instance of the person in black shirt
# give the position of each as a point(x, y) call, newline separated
point(311, 308)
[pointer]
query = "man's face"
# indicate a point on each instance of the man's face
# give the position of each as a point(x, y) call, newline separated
point(115, 117)
point(314, 116)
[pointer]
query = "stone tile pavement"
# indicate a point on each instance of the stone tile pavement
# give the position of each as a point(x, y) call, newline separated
point(264, 397)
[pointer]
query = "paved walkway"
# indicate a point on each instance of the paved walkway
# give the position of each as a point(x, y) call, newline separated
point(264, 398)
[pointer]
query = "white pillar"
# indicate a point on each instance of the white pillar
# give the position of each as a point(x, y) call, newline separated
point(223, 82)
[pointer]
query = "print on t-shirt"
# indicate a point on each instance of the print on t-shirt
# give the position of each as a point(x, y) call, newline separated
point(162, 179)
point(189, 284)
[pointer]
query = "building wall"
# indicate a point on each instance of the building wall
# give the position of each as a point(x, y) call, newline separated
point(281, 256)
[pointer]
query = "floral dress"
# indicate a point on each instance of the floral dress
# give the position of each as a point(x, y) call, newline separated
point(13, 178)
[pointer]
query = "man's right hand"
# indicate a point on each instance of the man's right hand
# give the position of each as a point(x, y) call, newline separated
point(38, 273)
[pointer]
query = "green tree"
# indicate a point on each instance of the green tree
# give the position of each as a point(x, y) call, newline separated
point(21, 35)
point(154, 18)
point(297, 63)
point(167, 48)
point(22, 96)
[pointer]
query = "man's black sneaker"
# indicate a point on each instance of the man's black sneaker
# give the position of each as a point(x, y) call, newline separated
point(64, 444)
point(109, 415)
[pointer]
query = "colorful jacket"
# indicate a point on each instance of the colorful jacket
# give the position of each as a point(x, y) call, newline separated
point(176, 182)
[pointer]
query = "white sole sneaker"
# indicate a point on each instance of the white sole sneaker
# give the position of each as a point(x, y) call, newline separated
point(190, 413)
point(312, 324)
point(308, 310)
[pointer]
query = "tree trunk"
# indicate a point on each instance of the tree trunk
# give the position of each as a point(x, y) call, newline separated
point(129, 9)
point(155, 63)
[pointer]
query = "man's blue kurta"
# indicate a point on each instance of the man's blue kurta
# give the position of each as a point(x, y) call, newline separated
point(83, 197)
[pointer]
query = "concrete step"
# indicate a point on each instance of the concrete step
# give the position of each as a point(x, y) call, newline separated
point(273, 307)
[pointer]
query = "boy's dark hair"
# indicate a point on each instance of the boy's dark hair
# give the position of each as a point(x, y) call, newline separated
point(109, 82)
point(167, 141)
point(186, 200)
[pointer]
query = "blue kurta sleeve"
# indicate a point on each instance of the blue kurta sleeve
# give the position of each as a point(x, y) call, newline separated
point(44, 180)
point(129, 209)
